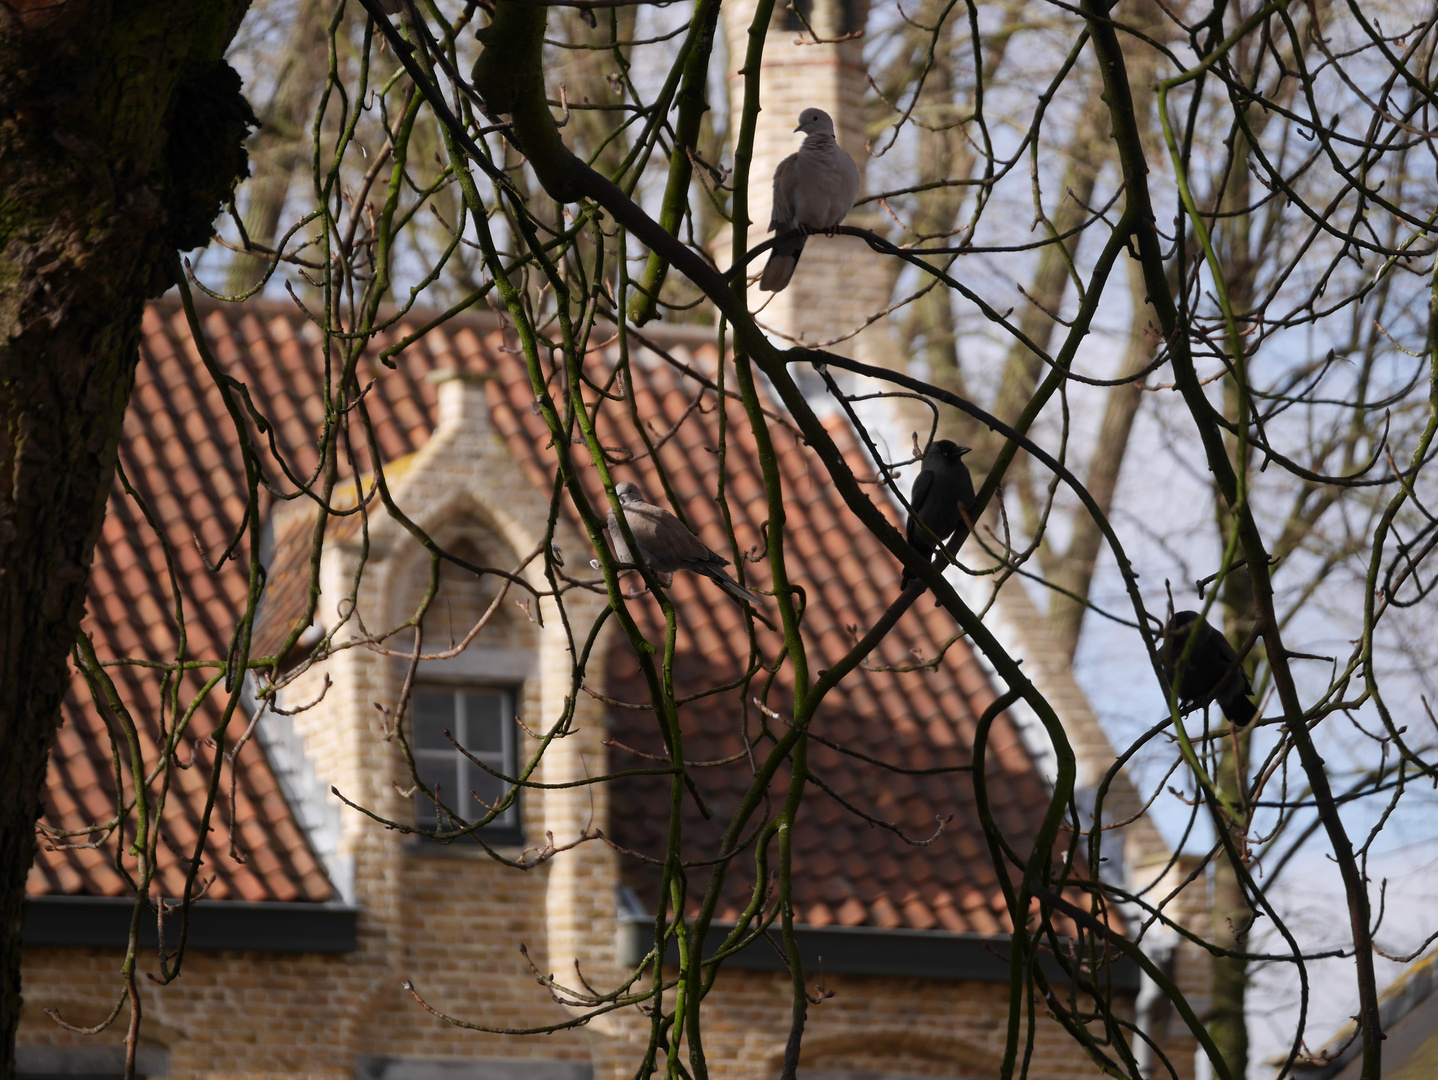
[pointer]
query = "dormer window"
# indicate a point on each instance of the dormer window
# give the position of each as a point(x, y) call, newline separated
point(479, 656)
point(481, 719)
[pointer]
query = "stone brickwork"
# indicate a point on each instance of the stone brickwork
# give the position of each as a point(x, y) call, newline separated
point(252, 1015)
point(894, 1027)
point(449, 918)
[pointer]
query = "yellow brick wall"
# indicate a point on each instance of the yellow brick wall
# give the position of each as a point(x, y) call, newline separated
point(255, 1015)
point(893, 1025)
point(448, 918)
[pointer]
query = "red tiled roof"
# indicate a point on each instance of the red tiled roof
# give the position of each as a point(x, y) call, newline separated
point(176, 456)
point(847, 871)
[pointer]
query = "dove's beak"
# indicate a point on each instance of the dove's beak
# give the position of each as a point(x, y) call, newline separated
point(799, 128)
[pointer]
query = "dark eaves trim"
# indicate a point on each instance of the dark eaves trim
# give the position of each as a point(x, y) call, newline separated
point(104, 922)
point(866, 950)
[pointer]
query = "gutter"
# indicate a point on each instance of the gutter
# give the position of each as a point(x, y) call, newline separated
point(103, 922)
point(866, 950)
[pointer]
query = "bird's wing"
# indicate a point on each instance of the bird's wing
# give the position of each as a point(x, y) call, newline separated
point(730, 586)
point(923, 484)
point(668, 544)
point(828, 186)
point(621, 549)
point(1229, 665)
point(967, 496)
point(1239, 710)
point(786, 180)
point(848, 181)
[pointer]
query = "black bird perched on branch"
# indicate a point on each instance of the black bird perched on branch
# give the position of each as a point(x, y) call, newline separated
point(666, 545)
point(943, 493)
point(1213, 673)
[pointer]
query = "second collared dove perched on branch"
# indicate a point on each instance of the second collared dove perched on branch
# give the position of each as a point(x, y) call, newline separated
point(813, 190)
point(666, 545)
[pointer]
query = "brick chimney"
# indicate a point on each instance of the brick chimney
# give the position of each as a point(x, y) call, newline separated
point(463, 406)
point(840, 281)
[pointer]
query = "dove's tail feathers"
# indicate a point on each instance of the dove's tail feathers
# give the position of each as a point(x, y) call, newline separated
point(732, 587)
point(777, 272)
point(1240, 711)
point(780, 267)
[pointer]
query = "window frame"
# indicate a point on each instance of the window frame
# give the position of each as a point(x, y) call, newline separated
point(508, 829)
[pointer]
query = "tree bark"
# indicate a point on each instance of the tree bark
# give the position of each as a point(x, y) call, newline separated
point(120, 135)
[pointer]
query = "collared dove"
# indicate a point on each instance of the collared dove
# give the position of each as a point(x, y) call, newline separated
point(1213, 673)
point(943, 491)
point(813, 190)
point(666, 545)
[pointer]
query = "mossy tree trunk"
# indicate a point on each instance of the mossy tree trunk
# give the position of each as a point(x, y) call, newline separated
point(120, 136)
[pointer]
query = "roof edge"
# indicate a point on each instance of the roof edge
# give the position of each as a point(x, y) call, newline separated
point(267, 926)
point(477, 318)
point(868, 950)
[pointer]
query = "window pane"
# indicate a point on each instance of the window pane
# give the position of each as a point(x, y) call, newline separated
point(478, 717)
point(484, 721)
point(433, 715)
point(489, 788)
point(439, 769)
